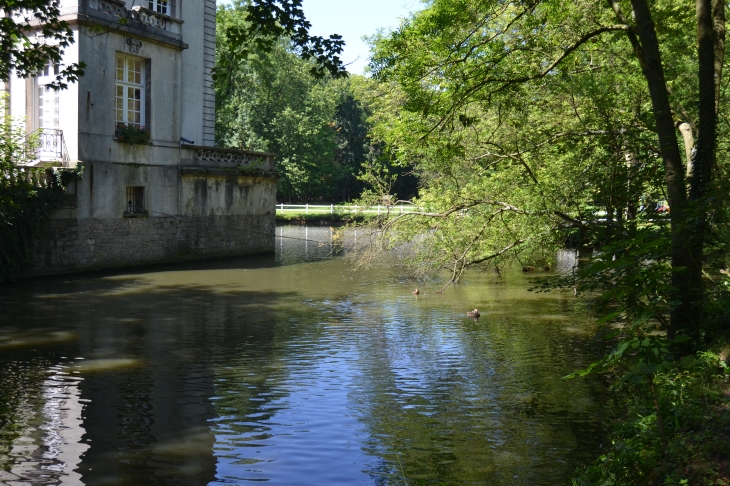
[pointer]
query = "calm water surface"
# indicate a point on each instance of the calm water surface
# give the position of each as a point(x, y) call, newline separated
point(292, 370)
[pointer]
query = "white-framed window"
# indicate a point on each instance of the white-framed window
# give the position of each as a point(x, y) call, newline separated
point(159, 6)
point(47, 102)
point(129, 87)
point(166, 7)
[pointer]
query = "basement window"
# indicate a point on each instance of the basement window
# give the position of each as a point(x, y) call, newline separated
point(135, 201)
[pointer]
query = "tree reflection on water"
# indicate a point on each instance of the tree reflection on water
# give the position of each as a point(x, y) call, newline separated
point(270, 368)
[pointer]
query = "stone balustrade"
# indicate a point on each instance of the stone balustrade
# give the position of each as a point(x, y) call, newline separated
point(137, 14)
point(227, 158)
point(31, 176)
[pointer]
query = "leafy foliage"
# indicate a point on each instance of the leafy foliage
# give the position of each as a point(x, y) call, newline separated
point(132, 134)
point(268, 21)
point(532, 125)
point(692, 395)
point(316, 126)
point(28, 197)
point(26, 52)
point(277, 106)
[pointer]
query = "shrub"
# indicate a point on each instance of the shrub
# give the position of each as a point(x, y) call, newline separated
point(132, 134)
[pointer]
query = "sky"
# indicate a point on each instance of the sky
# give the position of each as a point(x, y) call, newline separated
point(353, 19)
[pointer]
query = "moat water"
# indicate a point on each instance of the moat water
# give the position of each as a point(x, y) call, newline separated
point(294, 370)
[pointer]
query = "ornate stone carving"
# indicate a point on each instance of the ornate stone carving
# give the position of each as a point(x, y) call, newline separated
point(133, 45)
point(136, 14)
point(112, 8)
point(149, 18)
point(233, 158)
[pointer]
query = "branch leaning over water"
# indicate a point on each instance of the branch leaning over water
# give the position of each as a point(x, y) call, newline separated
point(503, 206)
point(454, 276)
point(570, 222)
point(499, 253)
point(461, 264)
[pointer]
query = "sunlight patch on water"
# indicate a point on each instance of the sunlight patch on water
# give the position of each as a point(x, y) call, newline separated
point(104, 364)
point(38, 338)
point(579, 331)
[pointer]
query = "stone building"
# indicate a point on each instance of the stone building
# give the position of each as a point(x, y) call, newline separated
point(174, 196)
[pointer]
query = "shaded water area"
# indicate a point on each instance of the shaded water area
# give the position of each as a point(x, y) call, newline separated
point(294, 370)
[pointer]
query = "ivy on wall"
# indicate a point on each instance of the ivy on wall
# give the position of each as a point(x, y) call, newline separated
point(28, 197)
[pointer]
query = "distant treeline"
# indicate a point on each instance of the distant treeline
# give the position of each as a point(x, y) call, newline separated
point(318, 126)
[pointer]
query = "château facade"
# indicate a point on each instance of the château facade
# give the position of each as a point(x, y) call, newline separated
point(140, 124)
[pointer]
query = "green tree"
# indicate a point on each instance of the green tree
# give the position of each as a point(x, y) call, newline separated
point(351, 137)
point(31, 35)
point(316, 124)
point(523, 118)
point(28, 197)
point(267, 22)
point(272, 102)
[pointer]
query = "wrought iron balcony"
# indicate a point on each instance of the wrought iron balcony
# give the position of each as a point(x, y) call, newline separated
point(46, 146)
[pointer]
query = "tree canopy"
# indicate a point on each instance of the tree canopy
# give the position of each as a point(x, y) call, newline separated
point(276, 100)
point(31, 36)
point(535, 125)
point(267, 22)
point(530, 123)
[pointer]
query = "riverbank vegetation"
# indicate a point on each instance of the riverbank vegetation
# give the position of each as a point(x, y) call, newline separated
point(518, 128)
point(28, 197)
point(687, 442)
point(532, 125)
point(529, 126)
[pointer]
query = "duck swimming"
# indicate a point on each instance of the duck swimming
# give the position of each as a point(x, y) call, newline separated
point(474, 313)
point(416, 292)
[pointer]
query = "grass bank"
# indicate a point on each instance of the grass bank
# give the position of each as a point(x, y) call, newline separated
point(322, 219)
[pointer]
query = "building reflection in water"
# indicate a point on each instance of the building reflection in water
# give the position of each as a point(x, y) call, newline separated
point(261, 369)
point(137, 409)
point(50, 452)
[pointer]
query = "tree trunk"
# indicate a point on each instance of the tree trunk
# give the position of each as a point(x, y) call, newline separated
point(689, 144)
point(718, 24)
point(684, 314)
point(632, 203)
point(711, 51)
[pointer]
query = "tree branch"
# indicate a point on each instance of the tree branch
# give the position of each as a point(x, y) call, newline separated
point(504, 83)
point(495, 255)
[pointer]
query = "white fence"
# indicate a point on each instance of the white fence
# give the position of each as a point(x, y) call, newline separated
point(332, 209)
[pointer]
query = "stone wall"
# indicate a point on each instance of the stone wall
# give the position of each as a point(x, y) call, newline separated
point(71, 245)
